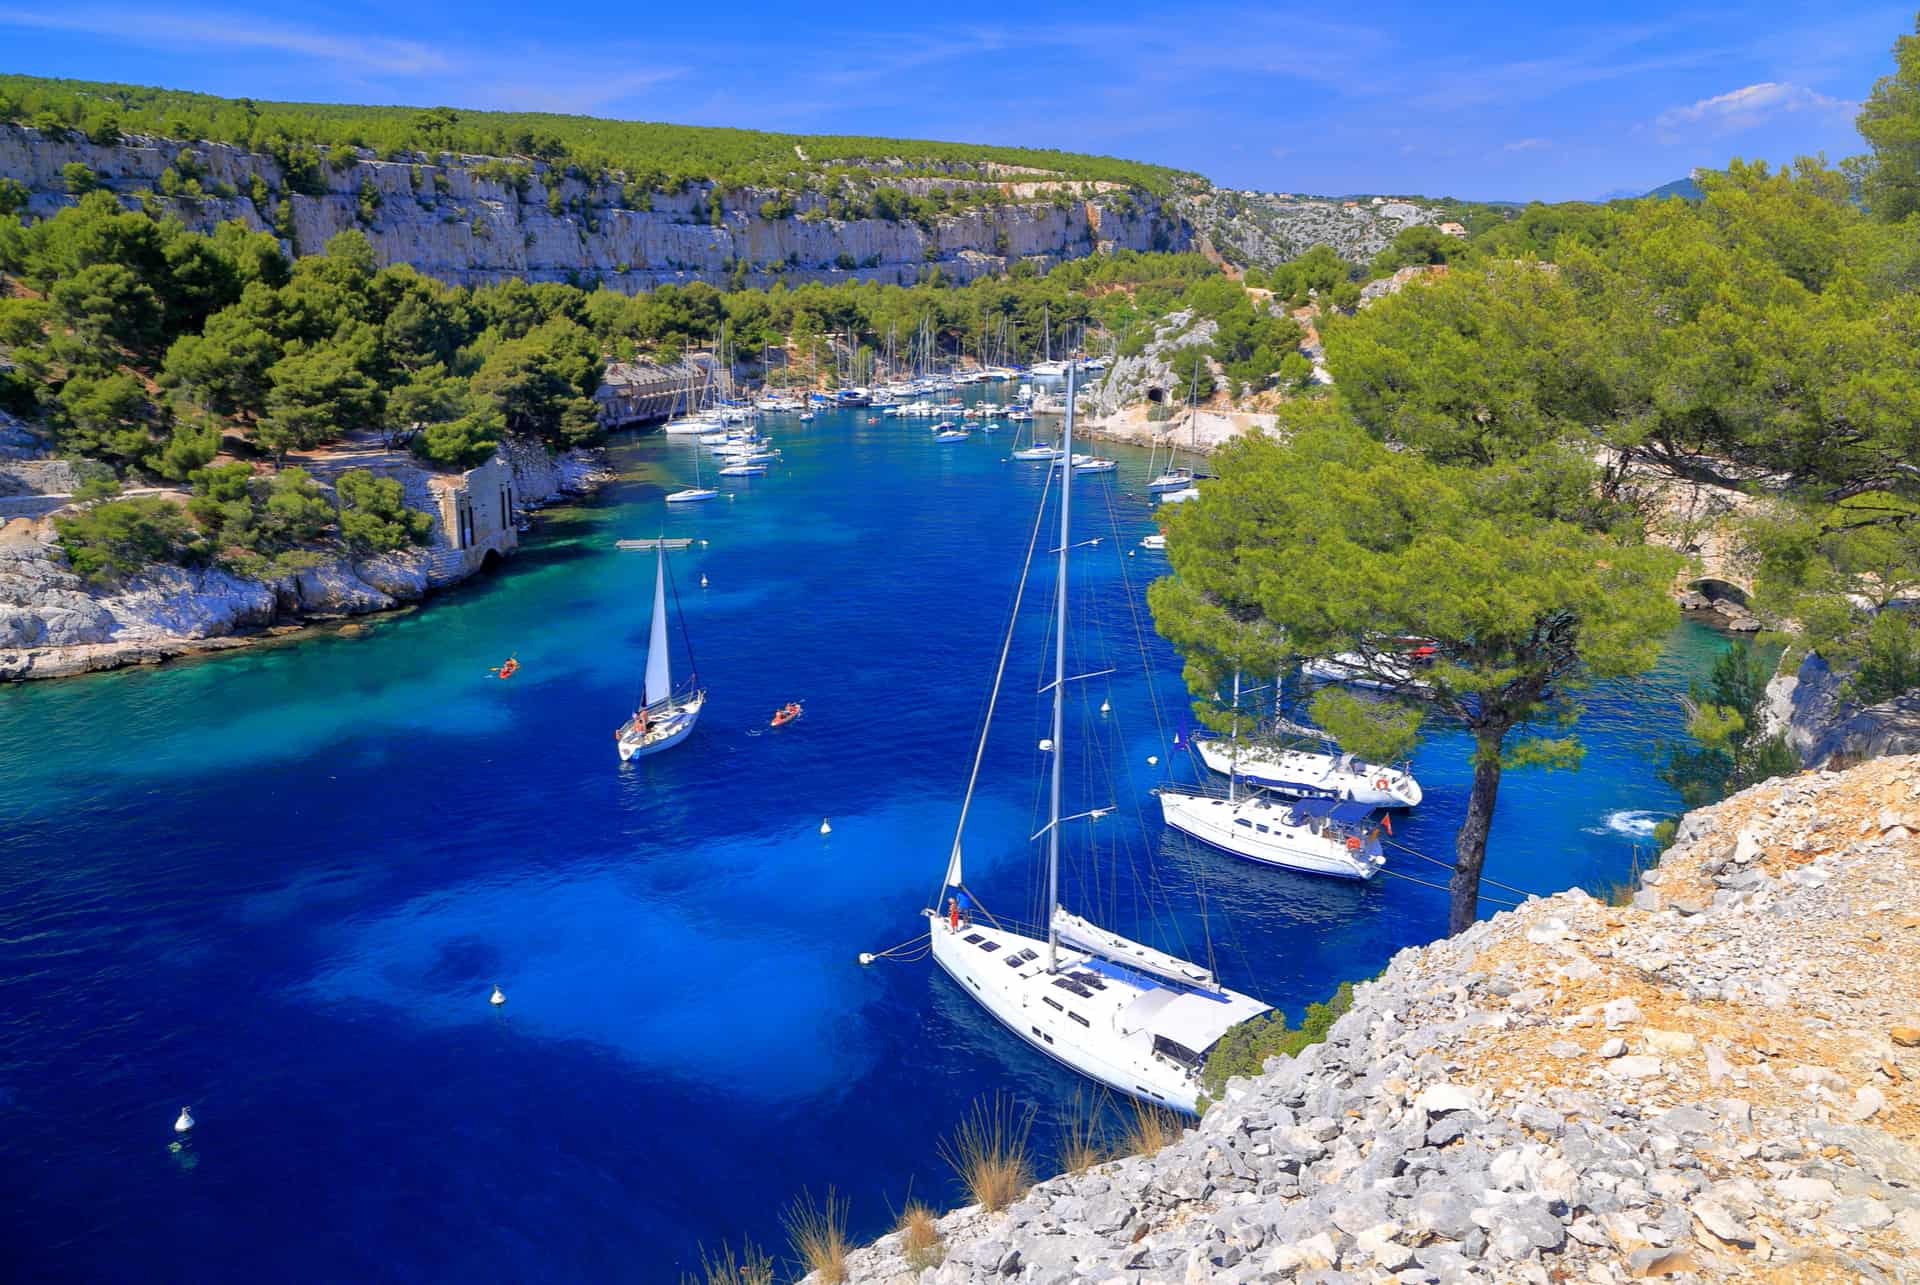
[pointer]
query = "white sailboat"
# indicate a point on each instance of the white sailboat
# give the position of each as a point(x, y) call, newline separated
point(695, 493)
point(1309, 773)
point(1135, 1018)
point(665, 716)
point(1177, 477)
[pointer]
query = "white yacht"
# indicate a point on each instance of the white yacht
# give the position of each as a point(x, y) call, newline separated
point(1132, 1017)
point(1384, 673)
point(1310, 773)
point(665, 717)
point(1315, 836)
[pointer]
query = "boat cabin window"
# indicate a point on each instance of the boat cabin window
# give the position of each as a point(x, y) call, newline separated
point(973, 938)
point(1245, 822)
point(1053, 1003)
point(1076, 1017)
point(1028, 956)
point(1013, 961)
point(989, 946)
point(1178, 1052)
point(1089, 979)
point(1072, 987)
point(1262, 829)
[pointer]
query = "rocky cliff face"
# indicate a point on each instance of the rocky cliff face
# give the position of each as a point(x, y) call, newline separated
point(1720, 1082)
point(53, 623)
point(1827, 730)
point(451, 221)
point(1260, 229)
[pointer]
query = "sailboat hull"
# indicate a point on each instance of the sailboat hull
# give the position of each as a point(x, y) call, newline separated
point(1254, 831)
point(1306, 773)
point(1098, 1033)
point(669, 727)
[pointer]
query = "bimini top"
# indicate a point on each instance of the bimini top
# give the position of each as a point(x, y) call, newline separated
point(1334, 810)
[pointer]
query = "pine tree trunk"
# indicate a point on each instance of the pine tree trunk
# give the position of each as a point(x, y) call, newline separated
point(1470, 845)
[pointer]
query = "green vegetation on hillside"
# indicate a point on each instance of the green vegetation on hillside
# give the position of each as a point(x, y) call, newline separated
point(650, 156)
point(1473, 482)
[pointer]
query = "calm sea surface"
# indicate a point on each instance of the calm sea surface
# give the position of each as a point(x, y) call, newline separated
point(278, 885)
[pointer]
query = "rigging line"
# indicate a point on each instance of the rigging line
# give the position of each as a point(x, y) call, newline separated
point(1006, 647)
point(1160, 728)
point(1441, 887)
point(686, 638)
point(1447, 865)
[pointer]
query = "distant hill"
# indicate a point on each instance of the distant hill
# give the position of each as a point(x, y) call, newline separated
point(1684, 188)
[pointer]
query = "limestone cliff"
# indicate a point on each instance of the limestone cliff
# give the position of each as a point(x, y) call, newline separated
point(53, 623)
point(465, 219)
point(1720, 1082)
point(1260, 229)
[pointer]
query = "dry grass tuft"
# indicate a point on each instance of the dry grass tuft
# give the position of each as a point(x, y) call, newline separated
point(1083, 1141)
point(752, 1267)
point(919, 1235)
point(990, 1152)
point(818, 1234)
point(1149, 1129)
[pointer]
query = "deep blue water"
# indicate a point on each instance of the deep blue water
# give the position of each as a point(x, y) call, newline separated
point(278, 885)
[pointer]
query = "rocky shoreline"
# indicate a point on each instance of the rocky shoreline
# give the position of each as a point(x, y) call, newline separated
point(54, 625)
point(1720, 1081)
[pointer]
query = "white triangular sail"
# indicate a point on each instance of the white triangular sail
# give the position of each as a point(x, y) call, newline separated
point(659, 680)
point(1078, 933)
point(953, 867)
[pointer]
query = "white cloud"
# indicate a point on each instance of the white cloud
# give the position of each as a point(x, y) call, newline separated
point(1746, 107)
point(369, 53)
point(1528, 145)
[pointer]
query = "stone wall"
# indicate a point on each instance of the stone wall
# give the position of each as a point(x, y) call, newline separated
point(451, 223)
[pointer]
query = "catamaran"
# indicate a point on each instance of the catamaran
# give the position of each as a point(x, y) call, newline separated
point(1130, 1016)
point(665, 716)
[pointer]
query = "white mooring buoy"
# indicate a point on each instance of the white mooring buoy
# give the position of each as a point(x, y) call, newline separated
point(703, 579)
point(1106, 707)
point(1046, 745)
point(497, 998)
point(824, 827)
point(1153, 760)
point(865, 958)
point(185, 1122)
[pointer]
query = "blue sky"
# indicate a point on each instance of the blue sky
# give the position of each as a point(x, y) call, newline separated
point(1473, 100)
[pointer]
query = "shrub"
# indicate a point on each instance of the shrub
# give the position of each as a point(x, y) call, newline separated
point(752, 1267)
point(374, 516)
point(990, 1153)
point(78, 179)
point(1083, 1141)
point(1245, 1048)
point(919, 1231)
point(118, 537)
point(818, 1234)
point(1149, 1128)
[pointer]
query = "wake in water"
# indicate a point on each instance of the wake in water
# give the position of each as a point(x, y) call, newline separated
point(1633, 824)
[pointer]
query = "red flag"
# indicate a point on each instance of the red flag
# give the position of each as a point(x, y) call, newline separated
point(1387, 822)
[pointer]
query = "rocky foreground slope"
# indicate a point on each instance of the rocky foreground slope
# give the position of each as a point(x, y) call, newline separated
point(1718, 1082)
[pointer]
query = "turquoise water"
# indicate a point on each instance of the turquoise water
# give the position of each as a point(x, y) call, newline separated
point(278, 884)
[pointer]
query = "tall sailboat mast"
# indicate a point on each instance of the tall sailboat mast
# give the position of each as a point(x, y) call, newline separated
point(1059, 679)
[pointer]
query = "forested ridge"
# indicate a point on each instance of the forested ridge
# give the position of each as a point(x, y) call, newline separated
point(649, 155)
